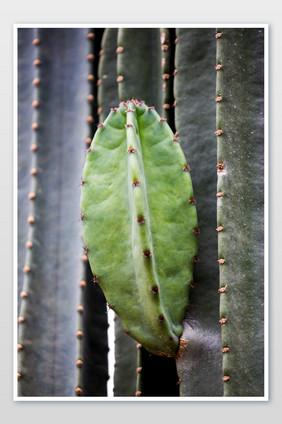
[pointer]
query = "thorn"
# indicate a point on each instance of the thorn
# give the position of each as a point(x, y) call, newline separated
point(166, 106)
point(192, 284)
point(192, 201)
point(26, 269)
point(114, 109)
point(163, 119)
point(29, 244)
point(225, 378)
point(90, 119)
point(32, 196)
point(19, 347)
point(19, 376)
point(218, 132)
point(218, 34)
point(155, 290)
point(88, 140)
point(196, 259)
point(128, 125)
point(109, 306)
point(218, 67)
point(126, 332)
point(166, 76)
point(130, 110)
point(186, 168)
point(131, 150)
point(90, 98)
point(176, 139)
point(101, 125)
point(147, 254)
point(176, 40)
point(79, 308)
point(135, 183)
point(20, 320)
point(82, 284)
point(222, 289)
point(222, 321)
point(81, 217)
point(36, 42)
point(161, 317)
point(138, 346)
point(225, 350)
point(120, 78)
point(139, 369)
point(91, 78)
point(34, 126)
point(99, 110)
point(119, 50)
point(78, 391)
point(218, 99)
point(23, 295)
point(84, 258)
point(141, 220)
point(35, 104)
point(138, 393)
point(219, 194)
point(220, 166)
point(196, 231)
point(79, 363)
point(79, 334)
point(221, 261)
point(31, 220)
point(82, 182)
point(150, 107)
point(95, 279)
point(88, 150)
point(90, 57)
point(36, 82)
point(33, 171)
point(220, 228)
point(91, 36)
point(34, 147)
point(37, 62)
point(178, 382)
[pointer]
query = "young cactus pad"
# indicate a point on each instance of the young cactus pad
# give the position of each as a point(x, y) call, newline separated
point(140, 224)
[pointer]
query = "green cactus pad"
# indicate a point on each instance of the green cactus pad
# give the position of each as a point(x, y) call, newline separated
point(139, 224)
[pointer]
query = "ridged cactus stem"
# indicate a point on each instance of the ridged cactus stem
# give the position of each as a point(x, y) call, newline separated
point(27, 71)
point(240, 202)
point(195, 111)
point(135, 155)
point(167, 38)
point(47, 325)
point(139, 380)
point(139, 65)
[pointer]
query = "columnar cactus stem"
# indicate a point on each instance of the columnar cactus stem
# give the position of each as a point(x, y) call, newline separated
point(107, 73)
point(139, 65)
point(240, 139)
point(26, 116)
point(47, 356)
point(150, 281)
point(194, 90)
point(167, 36)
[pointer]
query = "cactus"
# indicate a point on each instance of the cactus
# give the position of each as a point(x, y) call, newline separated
point(240, 208)
point(72, 78)
point(194, 69)
point(136, 176)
